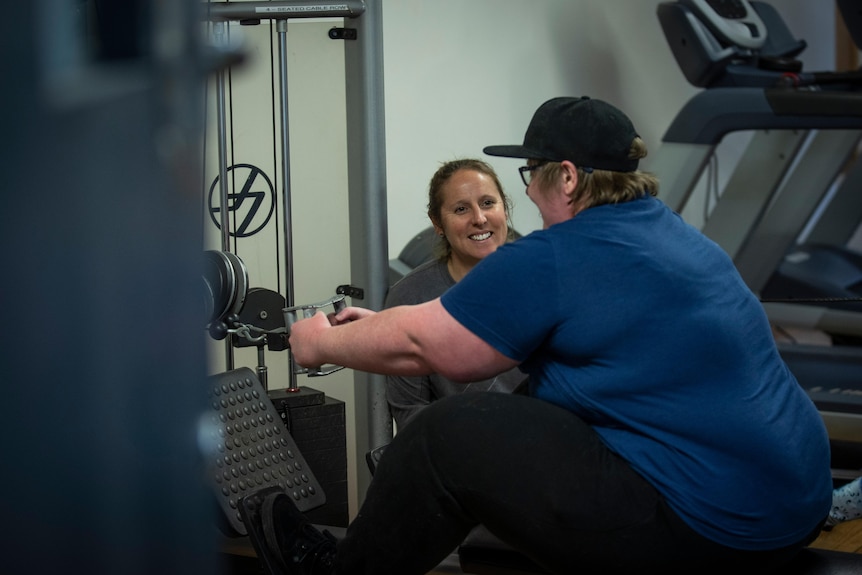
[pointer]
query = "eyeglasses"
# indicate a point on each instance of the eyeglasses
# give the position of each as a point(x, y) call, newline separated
point(527, 172)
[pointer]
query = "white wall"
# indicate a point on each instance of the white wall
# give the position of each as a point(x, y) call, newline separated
point(464, 74)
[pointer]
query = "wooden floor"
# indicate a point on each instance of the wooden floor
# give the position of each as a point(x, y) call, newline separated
point(843, 537)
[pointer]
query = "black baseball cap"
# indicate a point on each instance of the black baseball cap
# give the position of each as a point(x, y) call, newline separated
point(587, 132)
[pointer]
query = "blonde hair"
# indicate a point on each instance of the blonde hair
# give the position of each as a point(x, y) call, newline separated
point(599, 187)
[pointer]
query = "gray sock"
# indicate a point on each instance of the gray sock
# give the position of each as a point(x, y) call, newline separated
point(846, 503)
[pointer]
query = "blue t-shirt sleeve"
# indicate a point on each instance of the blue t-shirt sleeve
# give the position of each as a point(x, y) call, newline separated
point(510, 298)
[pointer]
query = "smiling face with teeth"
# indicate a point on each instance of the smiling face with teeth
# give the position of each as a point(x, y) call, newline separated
point(472, 218)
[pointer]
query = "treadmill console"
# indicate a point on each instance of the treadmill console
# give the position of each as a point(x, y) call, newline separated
point(733, 22)
point(730, 43)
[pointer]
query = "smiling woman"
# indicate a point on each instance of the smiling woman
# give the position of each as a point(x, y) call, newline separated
point(470, 213)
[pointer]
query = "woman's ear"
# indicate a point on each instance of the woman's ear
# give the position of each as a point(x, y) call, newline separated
point(437, 228)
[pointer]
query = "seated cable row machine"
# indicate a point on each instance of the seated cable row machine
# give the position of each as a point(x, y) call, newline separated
point(247, 446)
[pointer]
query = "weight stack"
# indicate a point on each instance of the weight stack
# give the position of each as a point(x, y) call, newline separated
point(317, 425)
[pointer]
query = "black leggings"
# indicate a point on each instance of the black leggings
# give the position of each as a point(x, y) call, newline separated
point(538, 478)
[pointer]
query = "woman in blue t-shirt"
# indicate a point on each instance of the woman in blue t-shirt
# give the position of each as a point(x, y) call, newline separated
point(663, 432)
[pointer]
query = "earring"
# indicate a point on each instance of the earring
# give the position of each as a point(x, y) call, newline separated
point(441, 234)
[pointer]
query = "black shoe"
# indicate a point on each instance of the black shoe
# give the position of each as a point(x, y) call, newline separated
point(303, 549)
point(285, 540)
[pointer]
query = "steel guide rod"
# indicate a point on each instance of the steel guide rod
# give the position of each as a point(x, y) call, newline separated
point(219, 34)
point(224, 218)
point(281, 28)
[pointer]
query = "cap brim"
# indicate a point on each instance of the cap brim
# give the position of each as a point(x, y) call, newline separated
point(511, 152)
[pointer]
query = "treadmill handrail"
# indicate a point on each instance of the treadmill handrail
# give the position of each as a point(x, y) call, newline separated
point(711, 114)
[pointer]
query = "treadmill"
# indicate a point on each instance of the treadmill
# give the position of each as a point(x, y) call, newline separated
point(821, 269)
point(821, 266)
point(807, 128)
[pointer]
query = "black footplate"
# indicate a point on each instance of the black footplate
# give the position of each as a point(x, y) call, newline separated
point(250, 449)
